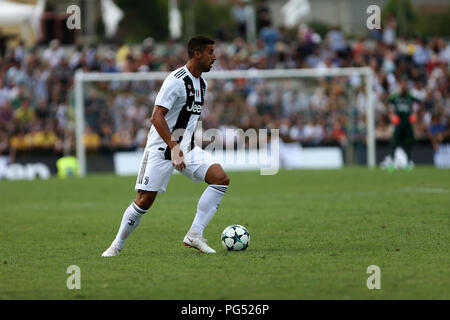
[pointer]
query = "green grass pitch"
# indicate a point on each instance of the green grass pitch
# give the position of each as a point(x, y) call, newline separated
point(313, 235)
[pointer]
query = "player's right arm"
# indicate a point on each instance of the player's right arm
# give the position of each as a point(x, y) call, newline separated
point(395, 119)
point(170, 91)
point(159, 122)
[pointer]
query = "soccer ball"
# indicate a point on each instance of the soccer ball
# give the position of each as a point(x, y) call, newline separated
point(235, 238)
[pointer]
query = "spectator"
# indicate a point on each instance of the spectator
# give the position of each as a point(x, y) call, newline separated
point(4, 143)
point(262, 15)
point(438, 131)
point(270, 36)
point(106, 136)
point(91, 139)
point(239, 15)
point(19, 51)
point(44, 139)
point(148, 59)
point(389, 30)
point(75, 58)
point(336, 40)
point(109, 63)
point(312, 133)
point(53, 54)
point(24, 115)
point(4, 92)
point(20, 141)
point(421, 54)
point(42, 112)
point(6, 115)
point(121, 54)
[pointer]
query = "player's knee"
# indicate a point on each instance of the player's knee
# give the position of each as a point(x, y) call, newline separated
point(224, 180)
point(144, 199)
point(216, 175)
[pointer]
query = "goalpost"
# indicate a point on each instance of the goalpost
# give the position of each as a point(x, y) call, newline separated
point(364, 72)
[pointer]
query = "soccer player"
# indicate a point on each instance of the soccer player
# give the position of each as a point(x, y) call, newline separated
point(170, 146)
point(402, 116)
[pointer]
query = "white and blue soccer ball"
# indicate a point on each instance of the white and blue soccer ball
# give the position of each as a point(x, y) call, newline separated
point(235, 238)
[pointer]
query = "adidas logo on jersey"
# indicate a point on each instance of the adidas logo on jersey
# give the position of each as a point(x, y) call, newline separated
point(195, 108)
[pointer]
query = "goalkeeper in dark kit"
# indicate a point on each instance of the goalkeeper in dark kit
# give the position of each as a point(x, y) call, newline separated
point(402, 115)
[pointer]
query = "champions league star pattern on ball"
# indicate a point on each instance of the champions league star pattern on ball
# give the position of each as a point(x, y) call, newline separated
point(235, 238)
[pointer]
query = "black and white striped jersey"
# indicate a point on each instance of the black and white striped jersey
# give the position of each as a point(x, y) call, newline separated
point(183, 95)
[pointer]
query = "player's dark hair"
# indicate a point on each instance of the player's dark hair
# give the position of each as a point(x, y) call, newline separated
point(198, 43)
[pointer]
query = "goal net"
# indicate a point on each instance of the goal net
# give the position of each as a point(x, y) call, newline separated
point(310, 107)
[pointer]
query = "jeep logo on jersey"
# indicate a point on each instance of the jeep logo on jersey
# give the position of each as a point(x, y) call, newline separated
point(195, 108)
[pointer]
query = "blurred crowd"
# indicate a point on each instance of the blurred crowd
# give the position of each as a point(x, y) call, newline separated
point(36, 89)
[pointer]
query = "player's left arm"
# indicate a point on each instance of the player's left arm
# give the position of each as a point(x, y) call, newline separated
point(413, 116)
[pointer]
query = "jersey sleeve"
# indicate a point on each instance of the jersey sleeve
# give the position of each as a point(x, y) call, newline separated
point(171, 89)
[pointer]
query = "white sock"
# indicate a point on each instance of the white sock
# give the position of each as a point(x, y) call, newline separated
point(207, 207)
point(130, 221)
